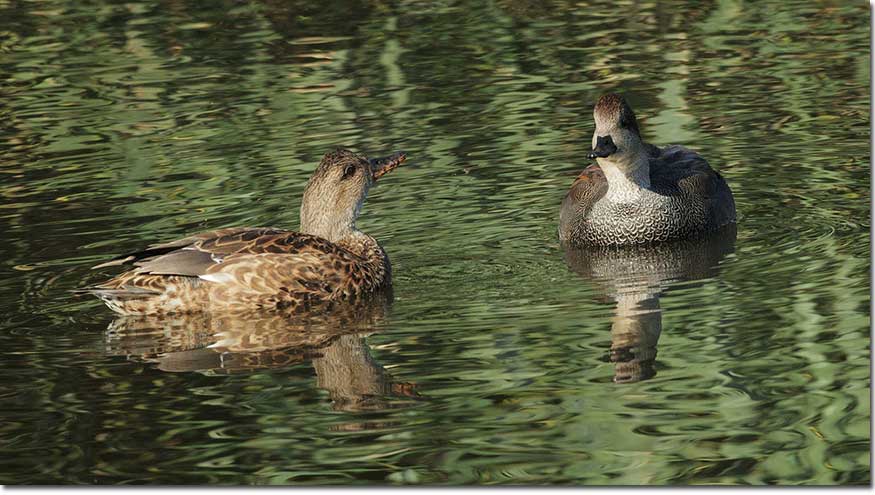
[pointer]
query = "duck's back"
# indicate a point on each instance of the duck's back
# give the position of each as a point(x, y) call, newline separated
point(241, 268)
point(687, 198)
point(677, 171)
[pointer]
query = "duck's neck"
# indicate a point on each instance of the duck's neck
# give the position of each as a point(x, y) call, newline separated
point(325, 226)
point(634, 335)
point(628, 175)
point(344, 234)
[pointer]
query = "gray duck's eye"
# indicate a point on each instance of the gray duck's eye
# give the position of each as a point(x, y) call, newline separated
point(349, 171)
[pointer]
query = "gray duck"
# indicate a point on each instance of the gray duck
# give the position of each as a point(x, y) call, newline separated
point(246, 268)
point(637, 193)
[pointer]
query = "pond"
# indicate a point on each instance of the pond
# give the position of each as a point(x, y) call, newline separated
point(502, 358)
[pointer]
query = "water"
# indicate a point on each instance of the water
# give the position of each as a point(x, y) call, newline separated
point(502, 359)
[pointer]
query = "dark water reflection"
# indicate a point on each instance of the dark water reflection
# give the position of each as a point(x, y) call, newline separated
point(128, 123)
point(635, 277)
point(334, 342)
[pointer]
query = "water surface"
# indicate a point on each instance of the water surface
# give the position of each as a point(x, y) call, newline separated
point(503, 358)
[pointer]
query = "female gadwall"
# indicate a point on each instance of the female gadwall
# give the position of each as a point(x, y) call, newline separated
point(637, 193)
point(263, 268)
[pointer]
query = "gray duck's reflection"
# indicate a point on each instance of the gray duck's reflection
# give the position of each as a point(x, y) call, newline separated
point(332, 339)
point(634, 277)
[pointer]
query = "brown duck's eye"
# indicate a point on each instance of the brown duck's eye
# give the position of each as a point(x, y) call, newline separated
point(349, 171)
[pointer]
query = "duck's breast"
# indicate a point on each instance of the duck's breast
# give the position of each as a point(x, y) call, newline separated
point(590, 186)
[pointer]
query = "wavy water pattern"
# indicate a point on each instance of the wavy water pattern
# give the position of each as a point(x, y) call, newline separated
point(503, 358)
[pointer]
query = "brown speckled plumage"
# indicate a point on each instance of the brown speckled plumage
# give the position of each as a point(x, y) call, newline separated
point(265, 268)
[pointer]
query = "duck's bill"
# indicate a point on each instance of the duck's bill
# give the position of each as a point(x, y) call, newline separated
point(382, 166)
point(604, 148)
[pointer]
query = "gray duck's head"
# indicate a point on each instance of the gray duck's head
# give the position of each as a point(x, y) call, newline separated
point(616, 137)
point(337, 190)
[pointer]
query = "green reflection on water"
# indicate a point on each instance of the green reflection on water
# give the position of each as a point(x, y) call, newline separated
point(128, 123)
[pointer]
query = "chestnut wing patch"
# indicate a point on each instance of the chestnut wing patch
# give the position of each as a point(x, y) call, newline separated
point(588, 188)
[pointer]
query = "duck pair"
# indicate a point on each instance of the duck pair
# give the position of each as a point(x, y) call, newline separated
point(635, 193)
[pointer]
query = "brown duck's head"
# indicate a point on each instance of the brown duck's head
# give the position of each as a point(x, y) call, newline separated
point(616, 129)
point(337, 190)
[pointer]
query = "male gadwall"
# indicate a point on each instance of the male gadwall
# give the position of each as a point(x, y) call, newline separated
point(264, 268)
point(637, 193)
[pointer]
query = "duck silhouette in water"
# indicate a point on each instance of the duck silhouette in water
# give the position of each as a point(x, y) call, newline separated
point(635, 277)
point(637, 193)
point(333, 341)
point(240, 269)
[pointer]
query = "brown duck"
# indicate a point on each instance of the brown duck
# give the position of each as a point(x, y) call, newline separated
point(249, 268)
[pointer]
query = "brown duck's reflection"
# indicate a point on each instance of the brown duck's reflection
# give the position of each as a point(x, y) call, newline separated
point(333, 340)
point(634, 277)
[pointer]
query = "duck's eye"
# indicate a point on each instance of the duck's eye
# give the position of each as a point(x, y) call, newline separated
point(349, 171)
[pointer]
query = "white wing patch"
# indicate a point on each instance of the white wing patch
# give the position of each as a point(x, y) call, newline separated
point(220, 277)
